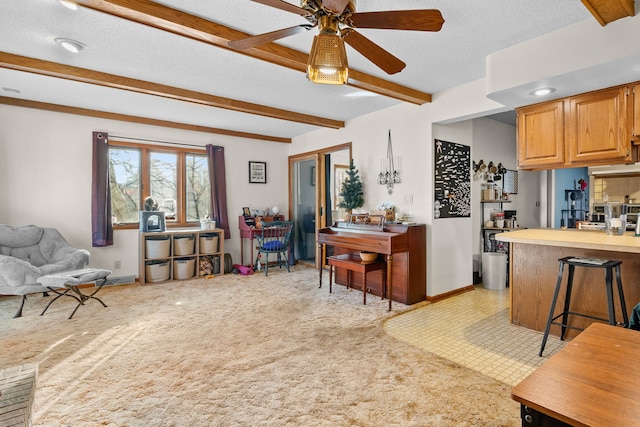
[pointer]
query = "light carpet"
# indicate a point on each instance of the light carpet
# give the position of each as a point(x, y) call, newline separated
point(239, 351)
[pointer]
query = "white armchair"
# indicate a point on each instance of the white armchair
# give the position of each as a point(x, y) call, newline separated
point(29, 252)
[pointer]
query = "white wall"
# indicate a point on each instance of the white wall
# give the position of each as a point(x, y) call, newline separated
point(45, 177)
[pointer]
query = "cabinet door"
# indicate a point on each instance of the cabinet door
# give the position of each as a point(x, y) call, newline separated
point(541, 135)
point(597, 131)
point(636, 113)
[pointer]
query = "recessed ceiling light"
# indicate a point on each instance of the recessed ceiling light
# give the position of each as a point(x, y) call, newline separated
point(360, 94)
point(69, 4)
point(71, 45)
point(542, 91)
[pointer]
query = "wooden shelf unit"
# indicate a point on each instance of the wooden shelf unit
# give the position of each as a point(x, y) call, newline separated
point(199, 253)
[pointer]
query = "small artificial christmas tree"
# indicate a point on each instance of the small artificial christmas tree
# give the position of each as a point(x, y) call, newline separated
point(351, 194)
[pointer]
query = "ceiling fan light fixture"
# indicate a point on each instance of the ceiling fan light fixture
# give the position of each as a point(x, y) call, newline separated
point(328, 60)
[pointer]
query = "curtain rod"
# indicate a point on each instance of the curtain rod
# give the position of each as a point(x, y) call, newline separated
point(155, 140)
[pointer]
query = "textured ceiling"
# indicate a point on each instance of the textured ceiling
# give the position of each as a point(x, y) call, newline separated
point(435, 61)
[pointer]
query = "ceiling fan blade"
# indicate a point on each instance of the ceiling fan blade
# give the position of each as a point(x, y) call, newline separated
point(283, 5)
point(416, 20)
point(257, 40)
point(374, 53)
point(335, 6)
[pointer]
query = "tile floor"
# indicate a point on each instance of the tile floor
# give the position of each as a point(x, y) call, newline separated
point(473, 329)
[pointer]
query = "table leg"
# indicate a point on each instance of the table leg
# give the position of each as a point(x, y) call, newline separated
point(320, 263)
point(242, 250)
point(389, 280)
point(364, 288)
point(330, 278)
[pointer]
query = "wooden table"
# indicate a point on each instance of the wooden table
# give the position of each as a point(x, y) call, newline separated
point(592, 381)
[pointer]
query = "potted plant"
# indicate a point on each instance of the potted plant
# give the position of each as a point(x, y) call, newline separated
point(351, 193)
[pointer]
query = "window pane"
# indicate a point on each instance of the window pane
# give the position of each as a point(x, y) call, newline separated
point(164, 182)
point(197, 187)
point(124, 176)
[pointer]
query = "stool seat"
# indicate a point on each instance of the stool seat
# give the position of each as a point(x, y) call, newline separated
point(353, 262)
point(573, 262)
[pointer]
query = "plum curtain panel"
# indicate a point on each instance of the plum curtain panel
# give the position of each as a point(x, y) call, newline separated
point(101, 226)
point(218, 188)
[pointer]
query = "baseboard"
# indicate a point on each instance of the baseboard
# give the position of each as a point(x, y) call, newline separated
point(449, 294)
point(120, 280)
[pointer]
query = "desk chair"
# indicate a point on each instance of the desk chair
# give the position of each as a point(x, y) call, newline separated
point(274, 239)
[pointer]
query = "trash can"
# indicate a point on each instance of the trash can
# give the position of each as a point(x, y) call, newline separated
point(494, 270)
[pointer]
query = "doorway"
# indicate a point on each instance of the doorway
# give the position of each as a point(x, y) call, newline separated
point(313, 196)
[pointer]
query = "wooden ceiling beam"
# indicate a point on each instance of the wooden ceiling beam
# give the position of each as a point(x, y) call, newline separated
point(17, 102)
point(184, 24)
point(53, 69)
point(606, 11)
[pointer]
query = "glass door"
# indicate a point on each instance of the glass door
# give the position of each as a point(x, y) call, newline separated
point(303, 206)
point(313, 191)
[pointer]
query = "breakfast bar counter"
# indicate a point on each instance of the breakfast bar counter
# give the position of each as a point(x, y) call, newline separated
point(533, 272)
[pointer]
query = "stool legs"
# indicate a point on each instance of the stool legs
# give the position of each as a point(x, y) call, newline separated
point(564, 324)
point(364, 288)
point(609, 283)
point(623, 304)
point(330, 277)
point(553, 307)
point(567, 302)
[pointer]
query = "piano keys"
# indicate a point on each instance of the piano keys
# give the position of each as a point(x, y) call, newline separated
point(404, 246)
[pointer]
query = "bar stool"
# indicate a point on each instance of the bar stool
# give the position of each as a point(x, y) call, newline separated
point(573, 262)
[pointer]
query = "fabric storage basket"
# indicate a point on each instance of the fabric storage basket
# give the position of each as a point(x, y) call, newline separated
point(157, 271)
point(208, 244)
point(183, 268)
point(158, 247)
point(184, 245)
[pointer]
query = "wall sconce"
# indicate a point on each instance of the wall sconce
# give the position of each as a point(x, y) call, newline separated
point(388, 173)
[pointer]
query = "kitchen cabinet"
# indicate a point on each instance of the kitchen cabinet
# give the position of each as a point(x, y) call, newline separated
point(541, 135)
point(635, 121)
point(583, 130)
point(597, 129)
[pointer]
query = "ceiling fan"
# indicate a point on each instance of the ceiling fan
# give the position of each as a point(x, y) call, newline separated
point(337, 21)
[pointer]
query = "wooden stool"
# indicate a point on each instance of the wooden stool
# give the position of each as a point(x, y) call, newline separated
point(574, 262)
point(353, 262)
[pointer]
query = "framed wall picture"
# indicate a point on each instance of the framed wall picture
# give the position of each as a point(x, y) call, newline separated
point(257, 172)
point(246, 211)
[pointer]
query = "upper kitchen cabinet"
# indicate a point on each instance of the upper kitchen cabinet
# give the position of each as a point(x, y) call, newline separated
point(636, 113)
point(597, 128)
point(583, 130)
point(541, 135)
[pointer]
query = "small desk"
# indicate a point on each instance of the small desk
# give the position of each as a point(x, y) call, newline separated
point(248, 230)
point(69, 282)
point(592, 381)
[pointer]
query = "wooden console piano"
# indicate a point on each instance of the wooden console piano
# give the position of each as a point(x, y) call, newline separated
point(248, 230)
point(405, 250)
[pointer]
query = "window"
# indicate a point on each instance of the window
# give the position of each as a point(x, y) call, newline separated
point(176, 178)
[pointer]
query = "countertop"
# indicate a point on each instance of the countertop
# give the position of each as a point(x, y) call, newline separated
point(573, 238)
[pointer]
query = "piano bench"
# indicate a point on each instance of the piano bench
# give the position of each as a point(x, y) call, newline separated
point(353, 262)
